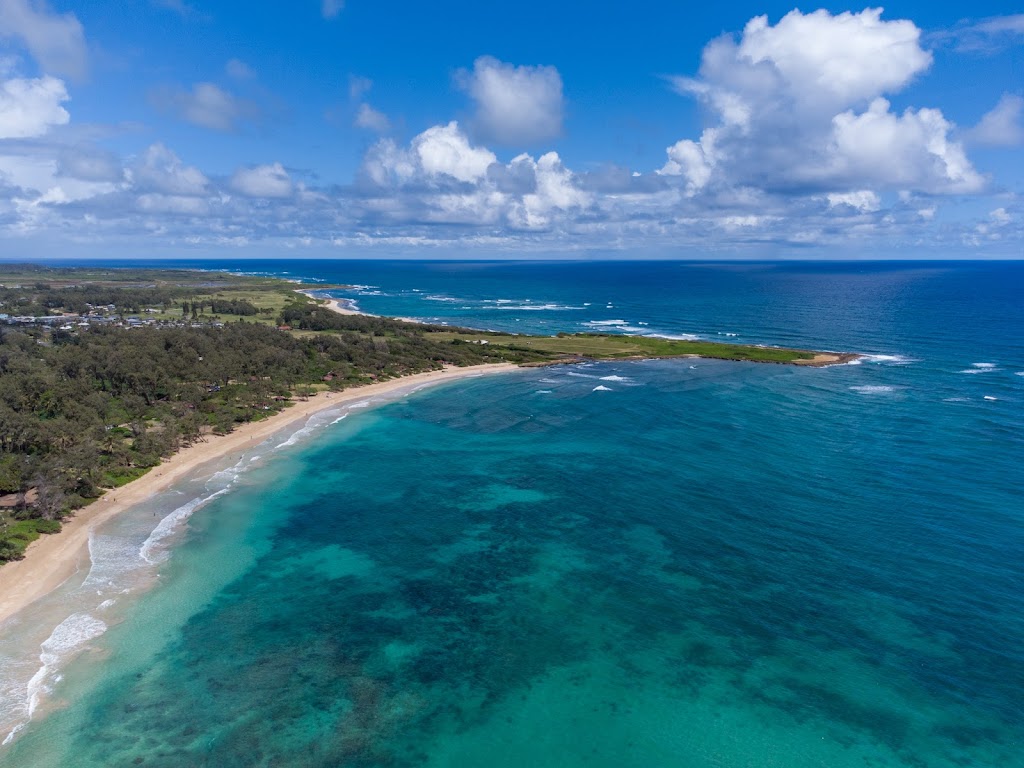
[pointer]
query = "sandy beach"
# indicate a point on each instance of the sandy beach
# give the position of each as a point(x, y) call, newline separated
point(334, 304)
point(54, 558)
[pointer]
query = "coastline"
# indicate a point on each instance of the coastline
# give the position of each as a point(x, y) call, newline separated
point(336, 305)
point(54, 558)
point(820, 360)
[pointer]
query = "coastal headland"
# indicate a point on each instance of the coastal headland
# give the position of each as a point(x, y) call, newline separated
point(124, 381)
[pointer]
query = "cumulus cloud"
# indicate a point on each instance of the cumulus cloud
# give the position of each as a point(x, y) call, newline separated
point(863, 200)
point(1003, 125)
point(206, 105)
point(441, 152)
point(56, 41)
point(514, 105)
point(159, 170)
point(262, 181)
point(442, 178)
point(30, 107)
point(1000, 217)
point(799, 106)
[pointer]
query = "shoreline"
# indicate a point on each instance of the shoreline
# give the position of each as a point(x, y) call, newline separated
point(337, 305)
point(54, 558)
point(820, 360)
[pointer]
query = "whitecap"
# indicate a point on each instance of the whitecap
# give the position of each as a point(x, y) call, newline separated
point(602, 388)
point(604, 323)
point(989, 397)
point(675, 336)
point(873, 389)
point(536, 307)
point(615, 378)
point(543, 392)
point(67, 638)
point(581, 375)
point(886, 359)
point(169, 524)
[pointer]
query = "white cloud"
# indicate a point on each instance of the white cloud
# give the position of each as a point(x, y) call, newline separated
point(515, 105)
point(329, 9)
point(840, 60)
point(40, 177)
point(160, 170)
point(985, 37)
point(206, 105)
point(441, 152)
point(908, 150)
point(798, 108)
point(56, 41)
point(89, 164)
point(262, 181)
point(172, 204)
point(1003, 125)
point(29, 107)
point(691, 160)
point(863, 200)
point(555, 191)
point(1000, 217)
point(442, 178)
point(371, 119)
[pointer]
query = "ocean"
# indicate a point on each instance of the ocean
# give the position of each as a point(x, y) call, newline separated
point(653, 563)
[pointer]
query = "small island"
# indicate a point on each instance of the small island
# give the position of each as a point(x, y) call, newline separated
point(106, 373)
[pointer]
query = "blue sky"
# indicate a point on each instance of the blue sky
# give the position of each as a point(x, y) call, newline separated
point(649, 129)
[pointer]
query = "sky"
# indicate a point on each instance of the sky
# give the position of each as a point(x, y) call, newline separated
point(351, 128)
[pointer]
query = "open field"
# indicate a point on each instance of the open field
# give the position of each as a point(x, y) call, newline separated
point(609, 346)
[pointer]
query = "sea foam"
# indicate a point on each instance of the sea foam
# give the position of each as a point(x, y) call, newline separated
point(67, 639)
point(981, 368)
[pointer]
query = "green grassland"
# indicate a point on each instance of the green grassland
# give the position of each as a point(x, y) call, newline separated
point(608, 346)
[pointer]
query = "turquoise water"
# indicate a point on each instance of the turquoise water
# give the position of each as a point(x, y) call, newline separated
point(662, 563)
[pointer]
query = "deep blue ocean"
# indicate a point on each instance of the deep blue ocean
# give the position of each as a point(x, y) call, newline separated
point(664, 563)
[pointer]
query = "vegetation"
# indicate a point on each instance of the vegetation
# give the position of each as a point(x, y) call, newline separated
point(92, 398)
point(605, 346)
